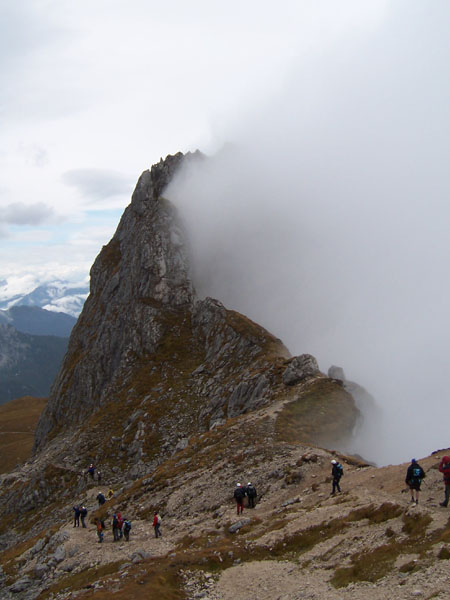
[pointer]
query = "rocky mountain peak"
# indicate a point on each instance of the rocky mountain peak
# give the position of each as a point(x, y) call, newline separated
point(146, 355)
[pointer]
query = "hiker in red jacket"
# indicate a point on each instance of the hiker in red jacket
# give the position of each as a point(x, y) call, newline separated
point(444, 468)
point(120, 523)
point(157, 525)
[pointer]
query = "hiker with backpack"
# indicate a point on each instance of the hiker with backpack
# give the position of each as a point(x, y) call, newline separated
point(444, 468)
point(127, 529)
point(157, 525)
point(76, 516)
point(83, 515)
point(115, 528)
point(336, 473)
point(91, 471)
point(251, 495)
point(414, 476)
point(101, 499)
point(100, 527)
point(239, 495)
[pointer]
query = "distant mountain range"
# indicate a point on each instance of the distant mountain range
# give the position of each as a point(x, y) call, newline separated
point(33, 342)
point(38, 321)
point(56, 296)
point(28, 363)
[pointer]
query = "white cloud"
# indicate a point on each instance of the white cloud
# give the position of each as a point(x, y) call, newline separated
point(98, 184)
point(19, 213)
point(328, 221)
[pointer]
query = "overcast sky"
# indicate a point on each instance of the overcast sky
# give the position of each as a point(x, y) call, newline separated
point(327, 212)
point(94, 92)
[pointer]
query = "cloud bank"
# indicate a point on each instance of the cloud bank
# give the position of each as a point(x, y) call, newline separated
point(326, 220)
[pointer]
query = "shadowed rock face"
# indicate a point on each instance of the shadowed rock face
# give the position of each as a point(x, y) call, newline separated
point(141, 273)
point(141, 305)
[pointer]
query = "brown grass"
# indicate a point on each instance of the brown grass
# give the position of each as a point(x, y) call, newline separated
point(18, 420)
point(323, 414)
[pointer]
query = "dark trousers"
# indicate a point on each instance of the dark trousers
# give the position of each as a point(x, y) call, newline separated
point(126, 533)
point(76, 521)
point(116, 534)
point(251, 502)
point(157, 531)
point(447, 493)
point(82, 521)
point(336, 485)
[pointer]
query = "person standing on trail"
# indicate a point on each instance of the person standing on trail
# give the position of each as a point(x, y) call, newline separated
point(239, 495)
point(83, 515)
point(336, 473)
point(120, 522)
point(413, 479)
point(115, 528)
point(101, 499)
point(126, 529)
point(157, 525)
point(100, 528)
point(99, 476)
point(251, 495)
point(91, 471)
point(76, 516)
point(444, 468)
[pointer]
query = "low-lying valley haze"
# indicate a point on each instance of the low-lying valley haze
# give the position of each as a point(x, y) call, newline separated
point(320, 207)
point(326, 220)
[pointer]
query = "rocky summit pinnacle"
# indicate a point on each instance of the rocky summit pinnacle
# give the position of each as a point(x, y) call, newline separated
point(167, 396)
point(150, 363)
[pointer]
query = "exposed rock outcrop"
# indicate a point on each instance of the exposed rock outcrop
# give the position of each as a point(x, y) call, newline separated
point(151, 369)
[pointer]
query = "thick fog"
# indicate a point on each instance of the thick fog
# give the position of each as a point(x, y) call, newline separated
point(326, 219)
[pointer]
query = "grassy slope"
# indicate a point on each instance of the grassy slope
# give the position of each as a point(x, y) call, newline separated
point(18, 420)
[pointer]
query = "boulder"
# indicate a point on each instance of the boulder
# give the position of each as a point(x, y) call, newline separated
point(299, 368)
point(238, 525)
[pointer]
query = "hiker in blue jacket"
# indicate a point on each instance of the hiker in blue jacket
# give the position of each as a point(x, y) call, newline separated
point(336, 473)
point(414, 476)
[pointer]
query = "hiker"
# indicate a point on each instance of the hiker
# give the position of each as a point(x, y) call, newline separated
point(110, 494)
point(444, 468)
point(251, 495)
point(91, 471)
point(336, 473)
point(76, 516)
point(120, 522)
point(99, 476)
point(115, 528)
point(239, 495)
point(83, 514)
point(100, 527)
point(127, 529)
point(414, 476)
point(101, 499)
point(157, 525)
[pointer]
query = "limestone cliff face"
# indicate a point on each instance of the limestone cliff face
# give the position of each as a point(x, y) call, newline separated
point(152, 373)
point(141, 273)
point(142, 334)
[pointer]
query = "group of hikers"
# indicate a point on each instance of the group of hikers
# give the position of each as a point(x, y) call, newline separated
point(93, 473)
point(415, 475)
point(80, 511)
point(101, 498)
point(121, 527)
point(241, 492)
